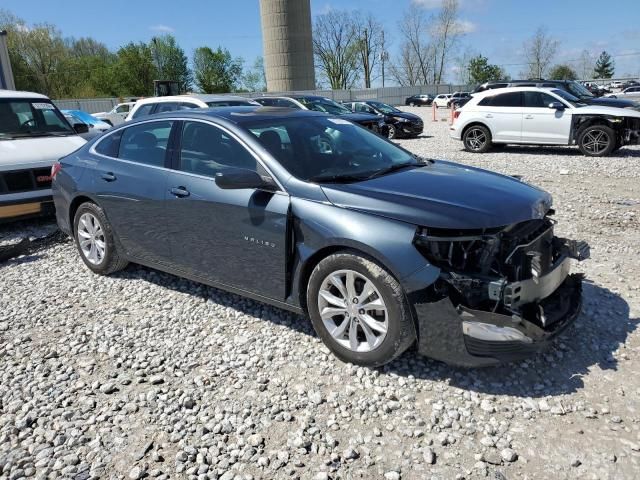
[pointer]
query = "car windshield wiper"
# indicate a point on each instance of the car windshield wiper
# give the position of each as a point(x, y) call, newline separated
point(394, 168)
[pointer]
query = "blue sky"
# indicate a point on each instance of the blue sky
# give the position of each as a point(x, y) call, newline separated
point(497, 28)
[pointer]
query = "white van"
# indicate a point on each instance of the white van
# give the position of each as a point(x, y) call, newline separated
point(33, 135)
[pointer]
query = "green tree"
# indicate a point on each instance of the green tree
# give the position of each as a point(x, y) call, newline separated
point(562, 72)
point(604, 66)
point(171, 62)
point(134, 70)
point(254, 78)
point(481, 71)
point(216, 71)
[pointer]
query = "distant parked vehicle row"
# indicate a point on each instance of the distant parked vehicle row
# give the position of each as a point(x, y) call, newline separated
point(172, 103)
point(540, 116)
point(424, 100)
point(631, 93)
point(325, 105)
point(399, 123)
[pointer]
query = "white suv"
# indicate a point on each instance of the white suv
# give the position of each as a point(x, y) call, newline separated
point(442, 100)
point(539, 116)
point(152, 105)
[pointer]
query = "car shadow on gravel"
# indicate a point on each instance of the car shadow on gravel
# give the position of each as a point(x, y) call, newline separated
point(602, 327)
point(563, 151)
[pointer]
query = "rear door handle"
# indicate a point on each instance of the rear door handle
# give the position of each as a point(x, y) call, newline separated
point(488, 115)
point(108, 177)
point(180, 192)
point(528, 117)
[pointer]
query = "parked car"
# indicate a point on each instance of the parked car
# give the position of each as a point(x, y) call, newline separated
point(442, 100)
point(458, 99)
point(325, 105)
point(95, 127)
point(313, 214)
point(631, 93)
point(419, 100)
point(117, 114)
point(616, 84)
point(399, 123)
point(538, 116)
point(171, 103)
point(33, 135)
point(574, 88)
point(630, 83)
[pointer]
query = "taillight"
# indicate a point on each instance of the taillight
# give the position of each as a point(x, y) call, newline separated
point(55, 168)
point(456, 114)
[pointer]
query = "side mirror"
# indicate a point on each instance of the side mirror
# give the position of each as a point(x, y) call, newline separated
point(240, 178)
point(81, 127)
point(556, 105)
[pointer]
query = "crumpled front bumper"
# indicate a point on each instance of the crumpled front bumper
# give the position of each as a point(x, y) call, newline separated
point(465, 337)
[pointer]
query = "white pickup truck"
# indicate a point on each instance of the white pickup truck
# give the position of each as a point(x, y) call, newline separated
point(117, 114)
point(33, 135)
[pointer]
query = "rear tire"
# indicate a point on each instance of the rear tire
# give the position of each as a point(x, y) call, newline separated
point(366, 318)
point(477, 139)
point(95, 242)
point(597, 141)
point(391, 131)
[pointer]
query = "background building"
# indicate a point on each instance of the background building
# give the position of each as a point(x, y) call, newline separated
point(288, 49)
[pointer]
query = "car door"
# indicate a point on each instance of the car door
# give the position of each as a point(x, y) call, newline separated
point(544, 125)
point(502, 113)
point(130, 184)
point(231, 237)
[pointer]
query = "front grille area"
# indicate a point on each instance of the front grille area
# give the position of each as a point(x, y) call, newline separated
point(25, 180)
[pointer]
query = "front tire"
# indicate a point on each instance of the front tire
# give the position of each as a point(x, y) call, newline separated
point(94, 240)
point(359, 310)
point(597, 141)
point(477, 139)
point(391, 131)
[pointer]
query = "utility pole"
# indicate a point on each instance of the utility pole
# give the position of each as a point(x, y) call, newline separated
point(383, 56)
point(365, 59)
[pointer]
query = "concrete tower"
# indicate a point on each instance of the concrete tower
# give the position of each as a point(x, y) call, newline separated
point(288, 51)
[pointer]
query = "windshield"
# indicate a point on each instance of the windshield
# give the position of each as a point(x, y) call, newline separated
point(329, 149)
point(31, 118)
point(324, 105)
point(568, 97)
point(578, 90)
point(383, 107)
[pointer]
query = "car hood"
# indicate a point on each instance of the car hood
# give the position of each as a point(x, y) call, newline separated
point(444, 195)
point(606, 110)
point(31, 152)
point(610, 102)
point(360, 117)
point(408, 116)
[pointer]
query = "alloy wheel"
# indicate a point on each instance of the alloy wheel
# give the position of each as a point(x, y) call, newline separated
point(476, 139)
point(353, 310)
point(596, 142)
point(391, 133)
point(91, 238)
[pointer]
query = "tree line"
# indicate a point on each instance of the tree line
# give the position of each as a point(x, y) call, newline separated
point(65, 67)
point(350, 50)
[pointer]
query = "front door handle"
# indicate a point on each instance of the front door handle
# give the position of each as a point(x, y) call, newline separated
point(488, 115)
point(108, 177)
point(528, 117)
point(180, 192)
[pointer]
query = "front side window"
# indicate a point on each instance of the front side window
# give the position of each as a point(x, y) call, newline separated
point(538, 99)
point(324, 105)
point(167, 107)
point(122, 109)
point(31, 118)
point(207, 150)
point(326, 149)
point(146, 143)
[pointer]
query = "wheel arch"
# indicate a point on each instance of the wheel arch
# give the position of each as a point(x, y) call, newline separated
point(73, 208)
point(581, 122)
point(475, 123)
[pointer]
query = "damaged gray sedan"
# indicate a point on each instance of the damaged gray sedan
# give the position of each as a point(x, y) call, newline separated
point(380, 249)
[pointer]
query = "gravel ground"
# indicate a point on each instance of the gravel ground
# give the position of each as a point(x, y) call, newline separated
point(143, 374)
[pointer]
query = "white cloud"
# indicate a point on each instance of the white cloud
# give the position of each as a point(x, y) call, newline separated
point(465, 26)
point(435, 4)
point(428, 4)
point(162, 28)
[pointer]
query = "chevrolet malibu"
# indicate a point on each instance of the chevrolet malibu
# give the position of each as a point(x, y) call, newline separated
point(381, 249)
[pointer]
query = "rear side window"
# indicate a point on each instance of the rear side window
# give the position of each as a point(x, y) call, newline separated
point(143, 110)
point(167, 107)
point(537, 100)
point(511, 99)
point(146, 143)
point(110, 144)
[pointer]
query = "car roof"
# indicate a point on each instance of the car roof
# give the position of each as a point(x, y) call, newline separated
point(21, 94)
point(203, 97)
point(497, 91)
point(238, 114)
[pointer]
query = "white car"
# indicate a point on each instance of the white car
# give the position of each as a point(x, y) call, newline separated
point(116, 115)
point(540, 116)
point(149, 106)
point(616, 84)
point(631, 93)
point(442, 100)
point(33, 135)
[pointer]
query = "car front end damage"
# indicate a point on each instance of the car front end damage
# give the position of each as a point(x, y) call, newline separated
point(626, 128)
point(501, 295)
